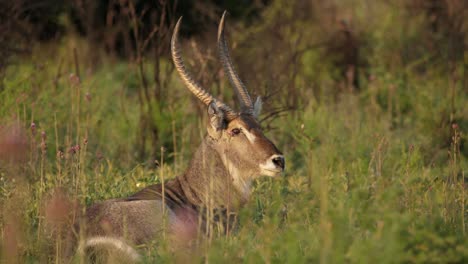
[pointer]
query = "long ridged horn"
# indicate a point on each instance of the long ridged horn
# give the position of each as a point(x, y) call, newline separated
point(188, 80)
point(239, 87)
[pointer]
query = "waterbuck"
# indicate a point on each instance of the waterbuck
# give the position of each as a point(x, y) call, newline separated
point(217, 182)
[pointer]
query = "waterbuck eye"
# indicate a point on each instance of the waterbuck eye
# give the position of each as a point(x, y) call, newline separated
point(235, 131)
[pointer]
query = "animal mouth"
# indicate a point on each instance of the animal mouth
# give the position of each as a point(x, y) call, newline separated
point(274, 170)
point(271, 172)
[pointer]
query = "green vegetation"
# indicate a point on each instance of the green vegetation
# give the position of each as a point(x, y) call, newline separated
point(372, 120)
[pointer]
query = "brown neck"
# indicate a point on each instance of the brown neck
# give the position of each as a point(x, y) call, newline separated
point(207, 182)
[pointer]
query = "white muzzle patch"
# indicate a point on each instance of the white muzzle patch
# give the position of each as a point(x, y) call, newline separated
point(271, 167)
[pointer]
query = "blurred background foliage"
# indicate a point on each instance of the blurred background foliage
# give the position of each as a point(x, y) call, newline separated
point(367, 99)
point(326, 49)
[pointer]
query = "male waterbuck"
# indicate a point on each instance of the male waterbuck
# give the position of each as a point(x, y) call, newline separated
point(217, 182)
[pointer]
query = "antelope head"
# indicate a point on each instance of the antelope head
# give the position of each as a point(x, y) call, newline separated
point(236, 135)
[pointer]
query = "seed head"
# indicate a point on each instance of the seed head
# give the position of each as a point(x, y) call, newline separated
point(33, 128)
point(74, 149)
point(74, 79)
point(60, 154)
point(88, 97)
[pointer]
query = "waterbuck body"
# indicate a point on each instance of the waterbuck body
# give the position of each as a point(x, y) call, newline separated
point(233, 153)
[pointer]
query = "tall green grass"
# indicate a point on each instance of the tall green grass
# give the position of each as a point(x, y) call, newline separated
point(373, 176)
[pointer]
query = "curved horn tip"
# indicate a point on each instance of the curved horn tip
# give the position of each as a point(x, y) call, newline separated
point(176, 32)
point(221, 25)
point(224, 15)
point(177, 26)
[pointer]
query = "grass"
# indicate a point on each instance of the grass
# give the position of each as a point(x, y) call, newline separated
point(375, 176)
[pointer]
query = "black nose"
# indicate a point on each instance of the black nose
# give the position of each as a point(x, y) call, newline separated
point(279, 161)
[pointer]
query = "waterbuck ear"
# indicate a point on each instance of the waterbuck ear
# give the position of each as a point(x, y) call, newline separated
point(216, 120)
point(257, 107)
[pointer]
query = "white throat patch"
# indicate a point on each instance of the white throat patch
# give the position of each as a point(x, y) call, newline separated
point(240, 183)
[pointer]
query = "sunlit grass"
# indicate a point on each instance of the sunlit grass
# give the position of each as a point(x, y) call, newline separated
point(372, 176)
